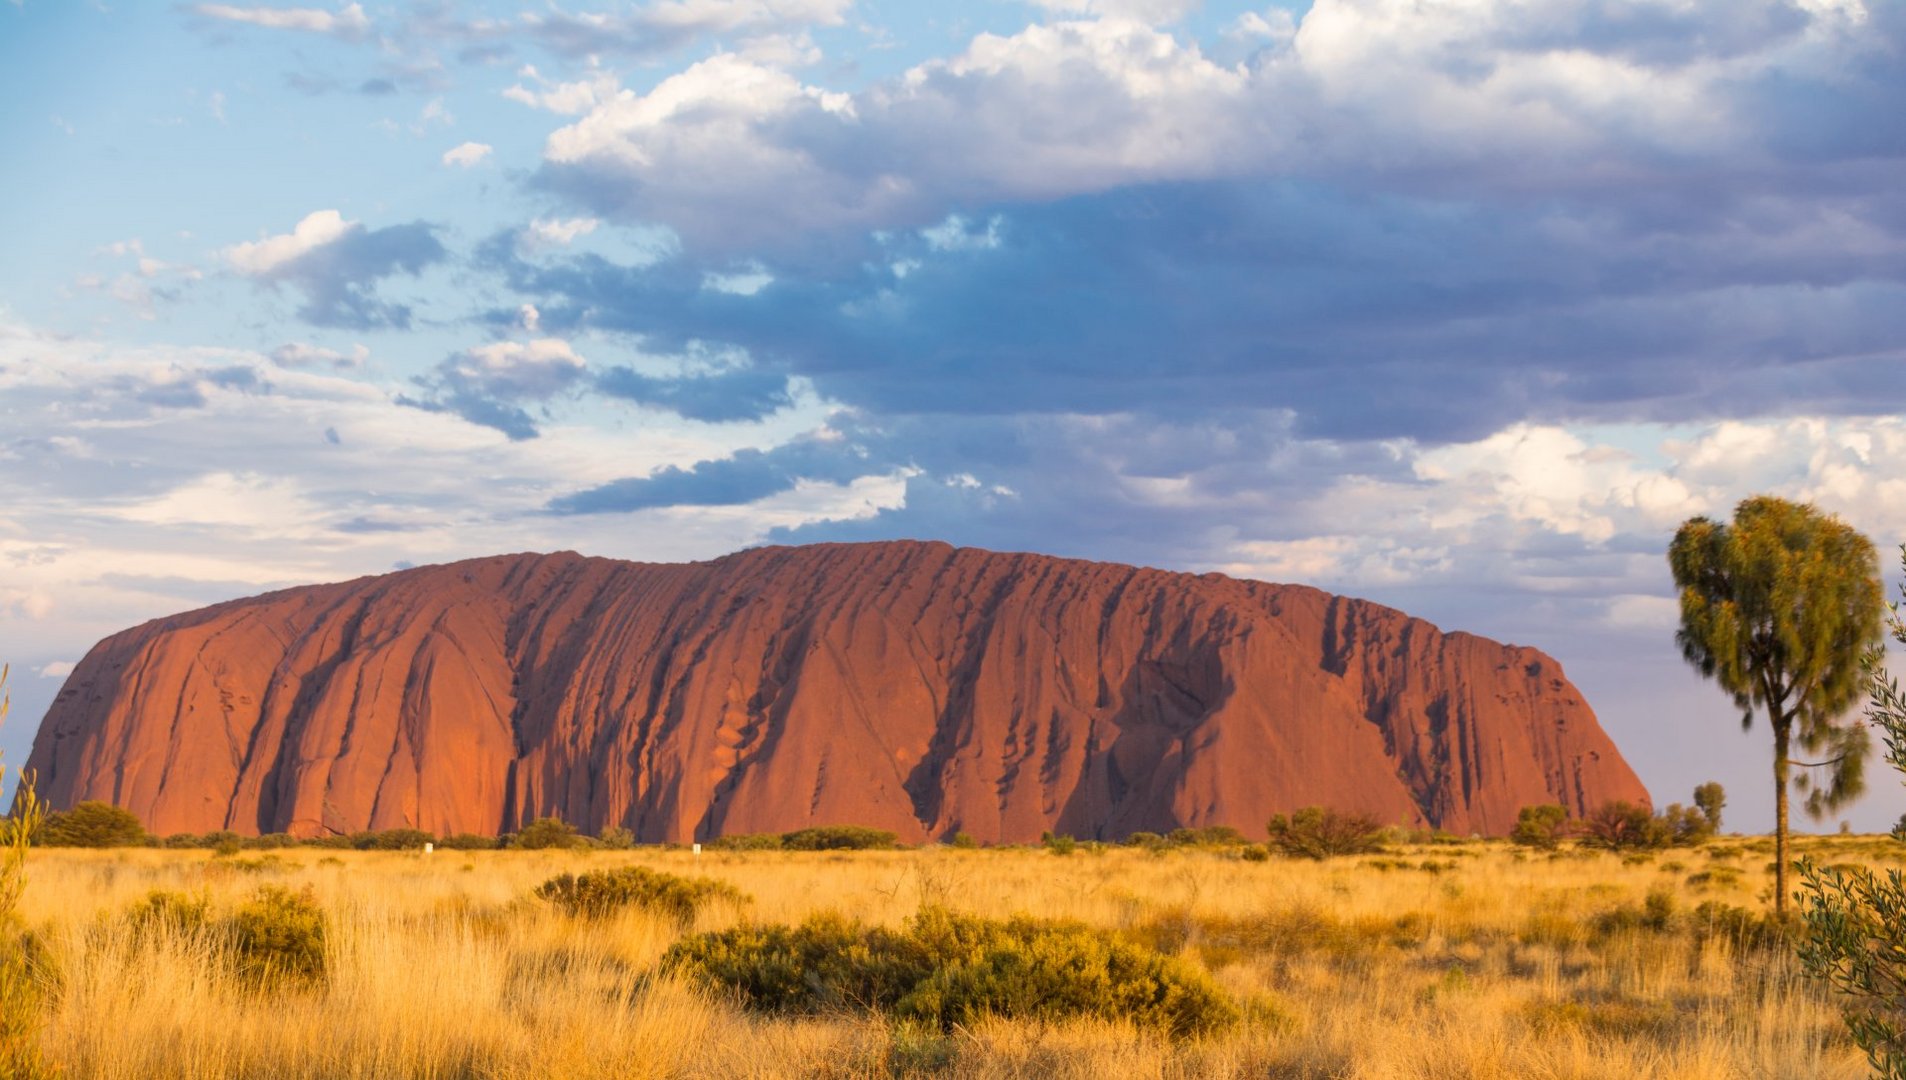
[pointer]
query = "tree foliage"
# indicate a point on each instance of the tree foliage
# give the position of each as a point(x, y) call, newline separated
point(1855, 920)
point(1779, 607)
point(1318, 832)
point(92, 824)
point(1710, 798)
point(1541, 826)
point(547, 832)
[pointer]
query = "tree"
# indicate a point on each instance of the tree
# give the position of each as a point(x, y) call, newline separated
point(92, 824)
point(1541, 826)
point(1855, 919)
point(1710, 797)
point(1318, 832)
point(1779, 608)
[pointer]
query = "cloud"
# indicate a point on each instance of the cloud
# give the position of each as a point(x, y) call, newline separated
point(314, 231)
point(748, 476)
point(1364, 317)
point(337, 263)
point(644, 31)
point(348, 22)
point(1151, 12)
point(299, 355)
point(1581, 98)
point(467, 155)
point(58, 669)
point(557, 232)
point(743, 393)
point(489, 384)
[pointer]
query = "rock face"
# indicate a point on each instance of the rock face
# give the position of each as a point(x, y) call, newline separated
point(910, 686)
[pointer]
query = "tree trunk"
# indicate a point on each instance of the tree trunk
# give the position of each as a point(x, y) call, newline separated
point(1780, 820)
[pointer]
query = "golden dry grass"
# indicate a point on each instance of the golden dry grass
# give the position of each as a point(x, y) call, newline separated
point(1490, 963)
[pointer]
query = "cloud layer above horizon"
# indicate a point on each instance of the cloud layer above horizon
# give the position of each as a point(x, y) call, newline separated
point(1460, 305)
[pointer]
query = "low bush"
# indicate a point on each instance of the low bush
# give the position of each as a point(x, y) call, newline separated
point(616, 838)
point(839, 838)
point(91, 824)
point(1543, 826)
point(278, 937)
point(1739, 926)
point(1656, 915)
point(1207, 836)
point(169, 912)
point(469, 842)
point(392, 840)
point(964, 841)
point(748, 842)
point(1058, 843)
point(1622, 826)
point(545, 833)
point(1317, 832)
point(603, 892)
point(948, 969)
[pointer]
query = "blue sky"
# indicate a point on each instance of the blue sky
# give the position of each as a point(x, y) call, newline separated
point(1459, 305)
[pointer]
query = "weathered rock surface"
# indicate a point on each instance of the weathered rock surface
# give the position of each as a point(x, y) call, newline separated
point(909, 686)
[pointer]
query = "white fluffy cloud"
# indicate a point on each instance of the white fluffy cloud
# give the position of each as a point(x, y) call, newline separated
point(335, 479)
point(467, 155)
point(316, 230)
point(557, 232)
point(1153, 12)
point(529, 369)
point(1498, 91)
point(348, 22)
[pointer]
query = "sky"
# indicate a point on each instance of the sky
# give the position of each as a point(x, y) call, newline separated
point(1458, 305)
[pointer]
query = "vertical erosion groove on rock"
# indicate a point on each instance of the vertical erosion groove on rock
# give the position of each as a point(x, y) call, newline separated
point(908, 686)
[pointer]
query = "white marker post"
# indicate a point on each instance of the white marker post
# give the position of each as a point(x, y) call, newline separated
point(429, 847)
point(698, 851)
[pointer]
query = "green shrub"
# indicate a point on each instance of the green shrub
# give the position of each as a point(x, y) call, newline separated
point(545, 833)
point(278, 936)
point(469, 842)
point(748, 842)
point(1207, 836)
point(392, 840)
point(171, 912)
point(616, 838)
point(1620, 826)
point(1710, 798)
point(1256, 853)
point(603, 892)
point(1058, 843)
point(1541, 826)
point(1316, 832)
point(1656, 914)
point(1686, 826)
point(947, 969)
point(92, 824)
point(1145, 840)
point(964, 841)
point(839, 838)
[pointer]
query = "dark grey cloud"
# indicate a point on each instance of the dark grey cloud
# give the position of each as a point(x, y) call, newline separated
point(339, 279)
point(717, 397)
point(492, 385)
point(746, 477)
point(1366, 316)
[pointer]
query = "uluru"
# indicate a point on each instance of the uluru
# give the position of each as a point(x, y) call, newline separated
point(909, 686)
